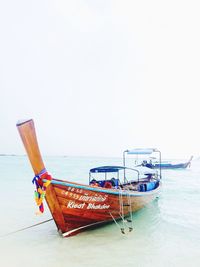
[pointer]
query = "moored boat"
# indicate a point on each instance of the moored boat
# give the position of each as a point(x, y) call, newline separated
point(168, 164)
point(155, 162)
point(115, 195)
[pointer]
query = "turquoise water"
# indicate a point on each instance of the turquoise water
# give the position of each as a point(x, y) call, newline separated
point(166, 232)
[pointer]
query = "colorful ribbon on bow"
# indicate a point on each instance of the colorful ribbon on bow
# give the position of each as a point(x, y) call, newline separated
point(41, 188)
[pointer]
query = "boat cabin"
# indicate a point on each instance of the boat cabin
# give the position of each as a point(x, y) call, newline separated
point(120, 177)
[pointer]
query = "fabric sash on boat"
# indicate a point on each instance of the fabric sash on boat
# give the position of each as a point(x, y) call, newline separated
point(41, 188)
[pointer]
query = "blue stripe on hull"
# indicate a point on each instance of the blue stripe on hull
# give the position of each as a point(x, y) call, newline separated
point(96, 189)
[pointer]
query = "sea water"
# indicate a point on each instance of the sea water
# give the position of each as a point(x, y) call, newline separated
point(166, 232)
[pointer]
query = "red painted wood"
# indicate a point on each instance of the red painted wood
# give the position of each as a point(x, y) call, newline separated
point(80, 208)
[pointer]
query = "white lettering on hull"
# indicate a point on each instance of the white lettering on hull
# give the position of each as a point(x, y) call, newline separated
point(74, 205)
point(102, 207)
point(87, 198)
point(96, 198)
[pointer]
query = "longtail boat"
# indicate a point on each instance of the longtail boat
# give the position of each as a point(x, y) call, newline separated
point(155, 162)
point(76, 207)
point(167, 165)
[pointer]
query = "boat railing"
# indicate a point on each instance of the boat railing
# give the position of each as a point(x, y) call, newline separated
point(135, 170)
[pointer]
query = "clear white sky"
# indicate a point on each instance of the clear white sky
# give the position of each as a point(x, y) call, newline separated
point(100, 76)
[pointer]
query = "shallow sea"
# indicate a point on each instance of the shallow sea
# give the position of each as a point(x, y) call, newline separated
point(166, 232)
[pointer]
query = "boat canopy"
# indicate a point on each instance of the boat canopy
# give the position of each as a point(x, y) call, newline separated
point(141, 151)
point(107, 169)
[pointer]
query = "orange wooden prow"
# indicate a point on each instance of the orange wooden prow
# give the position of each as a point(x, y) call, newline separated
point(28, 135)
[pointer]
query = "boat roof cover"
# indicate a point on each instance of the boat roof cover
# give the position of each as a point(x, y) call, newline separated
point(141, 151)
point(107, 169)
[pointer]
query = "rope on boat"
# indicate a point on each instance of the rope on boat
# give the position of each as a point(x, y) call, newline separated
point(130, 211)
point(125, 223)
point(25, 228)
point(122, 229)
point(121, 211)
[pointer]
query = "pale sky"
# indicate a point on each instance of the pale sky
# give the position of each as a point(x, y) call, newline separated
point(100, 76)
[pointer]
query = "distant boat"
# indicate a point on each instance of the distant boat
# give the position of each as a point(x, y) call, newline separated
point(76, 207)
point(153, 162)
point(167, 165)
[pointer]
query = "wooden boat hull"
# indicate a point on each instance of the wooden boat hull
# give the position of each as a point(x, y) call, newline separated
point(76, 207)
